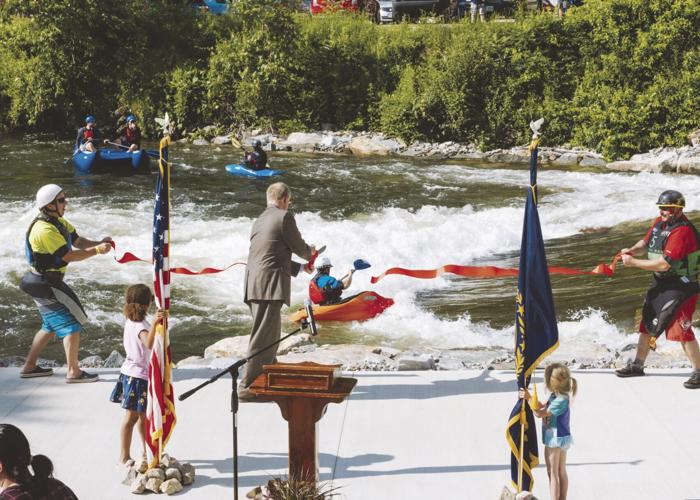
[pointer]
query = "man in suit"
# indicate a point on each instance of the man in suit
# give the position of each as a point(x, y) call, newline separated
point(273, 240)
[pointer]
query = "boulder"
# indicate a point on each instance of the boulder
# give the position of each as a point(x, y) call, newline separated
point(415, 362)
point(694, 138)
point(507, 156)
point(200, 142)
point(567, 160)
point(114, 360)
point(130, 476)
point(374, 145)
point(303, 141)
point(657, 161)
point(448, 363)
point(221, 139)
point(294, 342)
point(229, 347)
point(195, 362)
point(689, 160)
point(592, 161)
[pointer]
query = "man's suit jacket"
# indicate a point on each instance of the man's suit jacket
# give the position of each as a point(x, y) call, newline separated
point(273, 239)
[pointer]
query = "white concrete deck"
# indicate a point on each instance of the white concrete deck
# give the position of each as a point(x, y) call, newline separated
point(402, 435)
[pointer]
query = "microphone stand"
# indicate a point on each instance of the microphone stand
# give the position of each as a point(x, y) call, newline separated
point(233, 370)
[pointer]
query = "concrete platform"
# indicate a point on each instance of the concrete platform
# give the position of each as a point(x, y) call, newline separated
point(402, 435)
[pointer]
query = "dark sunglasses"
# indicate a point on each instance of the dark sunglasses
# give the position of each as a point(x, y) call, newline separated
point(663, 208)
point(61, 200)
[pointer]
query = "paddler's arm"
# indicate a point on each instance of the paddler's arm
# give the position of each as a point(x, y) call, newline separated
point(637, 249)
point(85, 249)
point(657, 265)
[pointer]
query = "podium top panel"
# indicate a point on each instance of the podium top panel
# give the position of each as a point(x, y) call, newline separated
point(306, 376)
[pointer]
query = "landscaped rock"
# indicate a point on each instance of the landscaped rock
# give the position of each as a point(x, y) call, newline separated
point(173, 473)
point(295, 342)
point(153, 484)
point(114, 360)
point(170, 486)
point(156, 473)
point(200, 142)
point(92, 362)
point(415, 362)
point(188, 473)
point(229, 347)
point(447, 363)
point(138, 485)
point(13, 361)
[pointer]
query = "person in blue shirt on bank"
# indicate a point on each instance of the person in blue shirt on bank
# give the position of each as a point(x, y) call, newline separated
point(324, 289)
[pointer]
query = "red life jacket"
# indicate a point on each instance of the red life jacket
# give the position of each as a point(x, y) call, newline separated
point(87, 134)
point(316, 294)
point(130, 136)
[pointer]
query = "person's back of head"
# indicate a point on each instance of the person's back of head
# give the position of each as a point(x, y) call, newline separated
point(137, 301)
point(16, 458)
point(277, 192)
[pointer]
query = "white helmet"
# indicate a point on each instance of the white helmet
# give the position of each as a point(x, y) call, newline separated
point(47, 194)
point(324, 262)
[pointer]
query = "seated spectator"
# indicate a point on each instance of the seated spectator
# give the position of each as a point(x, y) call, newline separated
point(16, 480)
point(88, 136)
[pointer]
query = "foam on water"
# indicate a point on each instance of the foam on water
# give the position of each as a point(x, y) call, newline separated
point(423, 238)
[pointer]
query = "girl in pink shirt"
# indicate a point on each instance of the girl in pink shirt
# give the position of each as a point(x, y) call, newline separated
point(132, 387)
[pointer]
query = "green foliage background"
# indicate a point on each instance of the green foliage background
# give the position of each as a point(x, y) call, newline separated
point(619, 76)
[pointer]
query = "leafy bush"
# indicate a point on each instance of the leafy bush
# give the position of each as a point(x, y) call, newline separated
point(620, 76)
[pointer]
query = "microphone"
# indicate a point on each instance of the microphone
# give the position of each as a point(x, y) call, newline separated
point(310, 317)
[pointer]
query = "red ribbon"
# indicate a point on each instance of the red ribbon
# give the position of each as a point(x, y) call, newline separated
point(491, 271)
point(130, 257)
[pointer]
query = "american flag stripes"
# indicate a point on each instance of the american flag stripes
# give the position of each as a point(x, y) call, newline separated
point(160, 412)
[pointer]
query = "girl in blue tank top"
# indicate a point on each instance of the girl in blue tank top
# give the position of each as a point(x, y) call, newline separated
point(556, 429)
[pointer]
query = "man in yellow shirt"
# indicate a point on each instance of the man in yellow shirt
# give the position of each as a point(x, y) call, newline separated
point(51, 243)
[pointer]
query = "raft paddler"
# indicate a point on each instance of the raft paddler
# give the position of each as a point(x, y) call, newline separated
point(130, 137)
point(51, 244)
point(88, 136)
point(672, 245)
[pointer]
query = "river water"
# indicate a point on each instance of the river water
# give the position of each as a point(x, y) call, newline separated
point(390, 212)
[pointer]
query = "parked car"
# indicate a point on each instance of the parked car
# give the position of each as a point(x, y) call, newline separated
point(318, 6)
point(385, 12)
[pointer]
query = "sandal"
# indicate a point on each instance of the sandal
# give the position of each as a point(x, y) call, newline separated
point(84, 378)
point(37, 372)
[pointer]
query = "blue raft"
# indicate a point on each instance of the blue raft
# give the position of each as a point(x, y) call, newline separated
point(112, 160)
point(243, 171)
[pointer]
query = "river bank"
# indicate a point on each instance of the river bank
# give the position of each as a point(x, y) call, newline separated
point(684, 159)
point(359, 357)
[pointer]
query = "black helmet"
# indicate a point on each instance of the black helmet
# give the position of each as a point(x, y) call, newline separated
point(257, 144)
point(671, 198)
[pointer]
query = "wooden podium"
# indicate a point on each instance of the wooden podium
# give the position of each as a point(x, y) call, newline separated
point(302, 391)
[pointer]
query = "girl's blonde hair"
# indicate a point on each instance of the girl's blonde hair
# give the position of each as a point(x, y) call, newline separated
point(137, 300)
point(559, 380)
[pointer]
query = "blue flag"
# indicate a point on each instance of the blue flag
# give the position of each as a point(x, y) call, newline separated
point(536, 334)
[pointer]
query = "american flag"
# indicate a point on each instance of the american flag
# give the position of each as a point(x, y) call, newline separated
point(160, 411)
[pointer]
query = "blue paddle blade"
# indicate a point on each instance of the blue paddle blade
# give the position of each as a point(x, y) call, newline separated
point(360, 264)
